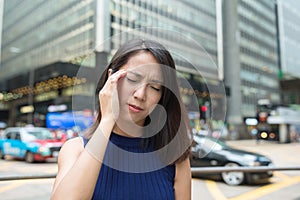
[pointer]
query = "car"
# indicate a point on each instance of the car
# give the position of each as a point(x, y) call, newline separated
point(29, 143)
point(211, 152)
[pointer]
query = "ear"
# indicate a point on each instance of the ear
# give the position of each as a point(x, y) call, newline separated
point(109, 72)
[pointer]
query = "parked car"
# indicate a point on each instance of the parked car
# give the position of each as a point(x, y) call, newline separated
point(211, 152)
point(29, 143)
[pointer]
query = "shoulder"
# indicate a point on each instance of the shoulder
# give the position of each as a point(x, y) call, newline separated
point(183, 173)
point(71, 148)
point(74, 143)
point(183, 180)
point(183, 168)
point(67, 156)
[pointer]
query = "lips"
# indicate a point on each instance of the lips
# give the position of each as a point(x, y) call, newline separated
point(135, 108)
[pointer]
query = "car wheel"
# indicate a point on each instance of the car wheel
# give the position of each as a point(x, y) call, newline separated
point(29, 157)
point(2, 156)
point(233, 178)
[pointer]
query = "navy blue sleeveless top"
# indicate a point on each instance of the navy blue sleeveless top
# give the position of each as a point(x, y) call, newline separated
point(114, 184)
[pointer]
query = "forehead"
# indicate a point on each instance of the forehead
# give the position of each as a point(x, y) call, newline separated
point(145, 64)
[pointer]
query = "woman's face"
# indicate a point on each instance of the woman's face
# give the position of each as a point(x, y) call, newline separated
point(141, 89)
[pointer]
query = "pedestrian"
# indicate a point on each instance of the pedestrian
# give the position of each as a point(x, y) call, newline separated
point(138, 148)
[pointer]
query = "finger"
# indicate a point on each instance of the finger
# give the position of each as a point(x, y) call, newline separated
point(117, 76)
point(112, 80)
point(116, 73)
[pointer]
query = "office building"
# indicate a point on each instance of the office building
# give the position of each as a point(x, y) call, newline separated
point(45, 44)
point(289, 31)
point(251, 61)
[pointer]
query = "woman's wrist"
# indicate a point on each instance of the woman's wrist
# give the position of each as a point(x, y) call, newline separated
point(96, 146)
point(106, 125)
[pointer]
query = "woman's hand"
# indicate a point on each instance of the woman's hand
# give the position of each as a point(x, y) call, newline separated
point(108, 95)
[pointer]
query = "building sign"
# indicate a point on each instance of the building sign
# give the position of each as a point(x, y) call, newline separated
point(69, 120)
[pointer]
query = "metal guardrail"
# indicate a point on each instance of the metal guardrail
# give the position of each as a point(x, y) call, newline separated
point(27, 176)
point(213, 170)
point(195, 171)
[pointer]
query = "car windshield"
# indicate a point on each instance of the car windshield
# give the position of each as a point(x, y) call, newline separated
point(38, 134)
point(210, 143)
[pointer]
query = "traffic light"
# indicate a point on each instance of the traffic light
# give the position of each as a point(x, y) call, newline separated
point(203, 110)
point(268, 135)
point(262, 116)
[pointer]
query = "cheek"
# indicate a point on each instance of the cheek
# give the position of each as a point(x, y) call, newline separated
point(154, 99)
point(123, 92)
point(152, 104)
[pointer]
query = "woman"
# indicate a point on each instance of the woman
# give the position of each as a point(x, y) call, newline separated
point(138, 148)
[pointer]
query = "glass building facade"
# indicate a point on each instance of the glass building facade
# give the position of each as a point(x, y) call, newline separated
point(289, 31)
point(38, 33)
point(259, 60)
point(251, 61)
point(44, 43)
point(250, 50)
point(165, 19)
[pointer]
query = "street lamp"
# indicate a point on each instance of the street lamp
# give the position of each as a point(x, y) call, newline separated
point(30, 97)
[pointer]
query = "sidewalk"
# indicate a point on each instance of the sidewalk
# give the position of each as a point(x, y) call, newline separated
point(282, 154)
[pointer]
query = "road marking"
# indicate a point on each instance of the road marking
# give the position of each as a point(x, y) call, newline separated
point(264, 190)
point(52, 171)
point(5, 165)
point(195, 188)
point(10, 186)
point(281, 175)
point(18, 183)
point(214, 190)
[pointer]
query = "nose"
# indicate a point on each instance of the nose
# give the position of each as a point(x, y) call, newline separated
point(140, 92)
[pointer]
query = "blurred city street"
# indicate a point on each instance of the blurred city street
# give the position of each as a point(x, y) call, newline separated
point(284, 184)
point(237, 68)
point(280, 154)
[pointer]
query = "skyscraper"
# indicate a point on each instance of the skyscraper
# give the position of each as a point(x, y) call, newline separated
point(251, 62)
point(45, 43)
point(289, 31)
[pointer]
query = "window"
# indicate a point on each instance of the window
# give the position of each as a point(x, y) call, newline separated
point(18, 136)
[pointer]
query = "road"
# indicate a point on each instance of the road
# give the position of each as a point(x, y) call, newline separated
point(30, 189)
point(284, 184)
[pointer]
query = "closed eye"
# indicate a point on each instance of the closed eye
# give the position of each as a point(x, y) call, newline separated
point(156, 88)
point(131, 80)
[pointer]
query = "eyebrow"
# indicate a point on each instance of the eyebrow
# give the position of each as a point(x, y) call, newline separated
point(136, 74)
point(141, 76)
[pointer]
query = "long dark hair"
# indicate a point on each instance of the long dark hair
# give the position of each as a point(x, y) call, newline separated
point(177, 120)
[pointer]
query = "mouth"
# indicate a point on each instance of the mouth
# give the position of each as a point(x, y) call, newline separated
point(134, 108)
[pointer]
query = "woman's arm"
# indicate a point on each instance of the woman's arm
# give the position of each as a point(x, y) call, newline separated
point(78, 169)
point(183, 180)
point(68, 156)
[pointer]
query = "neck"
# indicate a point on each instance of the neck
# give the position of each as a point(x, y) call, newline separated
point(128, 130)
